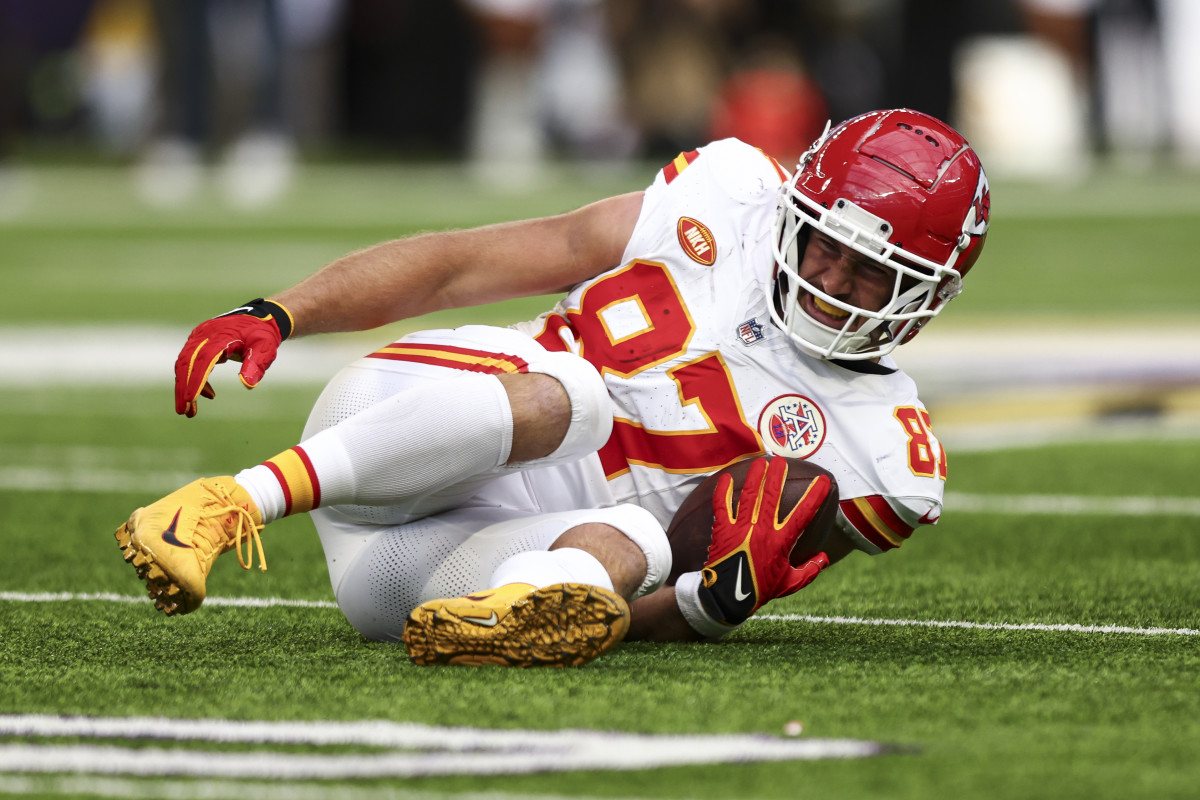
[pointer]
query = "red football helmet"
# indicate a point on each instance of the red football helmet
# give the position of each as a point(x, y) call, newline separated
point(901, 188)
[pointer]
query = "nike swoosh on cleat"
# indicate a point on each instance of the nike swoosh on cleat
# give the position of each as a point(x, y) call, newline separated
point(483, 622)
point(169, 534)
point(738, 594)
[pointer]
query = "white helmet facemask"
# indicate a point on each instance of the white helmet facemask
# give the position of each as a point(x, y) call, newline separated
point(866, 333)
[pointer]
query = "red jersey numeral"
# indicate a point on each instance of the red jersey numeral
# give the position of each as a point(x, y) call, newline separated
point(925, 454)
point(631, 321)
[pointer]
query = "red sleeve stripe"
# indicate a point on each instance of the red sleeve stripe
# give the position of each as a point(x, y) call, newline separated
point(679, 164)
point(888, 516)
point(463, 358)
point(864, 514)
point(783, 174)
point(860, 524)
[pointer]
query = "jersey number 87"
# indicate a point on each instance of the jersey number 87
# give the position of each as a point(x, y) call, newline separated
point(646, 288)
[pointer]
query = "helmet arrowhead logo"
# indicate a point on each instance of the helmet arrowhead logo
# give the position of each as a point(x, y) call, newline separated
point(980, 214)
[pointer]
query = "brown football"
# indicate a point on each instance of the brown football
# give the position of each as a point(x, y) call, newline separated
point(690, 531)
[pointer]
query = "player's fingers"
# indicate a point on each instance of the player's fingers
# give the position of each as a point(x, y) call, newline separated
point(770, 492)
point(750, 501)
point(808, 506)
point(195, 363)
point(190, 374)
point(192, 406)
point(803, 575)
point(259, 356)
point(723, 501)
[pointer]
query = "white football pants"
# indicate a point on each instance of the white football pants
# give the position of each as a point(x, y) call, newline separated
point(407, 547)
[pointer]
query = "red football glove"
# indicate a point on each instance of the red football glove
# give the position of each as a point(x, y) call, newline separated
point(250, 334)
point(748, 558)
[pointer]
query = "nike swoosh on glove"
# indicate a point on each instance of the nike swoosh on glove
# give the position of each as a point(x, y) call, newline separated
point(748, 559)
point(250, 334)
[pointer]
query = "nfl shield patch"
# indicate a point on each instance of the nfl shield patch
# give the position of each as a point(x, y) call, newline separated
point(750, 331)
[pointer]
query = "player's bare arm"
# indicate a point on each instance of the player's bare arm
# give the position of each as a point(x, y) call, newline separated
point(656, 618)
point(407, 277)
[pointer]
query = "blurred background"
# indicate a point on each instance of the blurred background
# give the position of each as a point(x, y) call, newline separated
point(162, 160)
point(241, 91)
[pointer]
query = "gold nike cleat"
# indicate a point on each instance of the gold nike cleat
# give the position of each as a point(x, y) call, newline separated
point(566, 625)
point(173, 543)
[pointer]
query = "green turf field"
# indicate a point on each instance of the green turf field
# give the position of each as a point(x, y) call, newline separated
point(1042, 641)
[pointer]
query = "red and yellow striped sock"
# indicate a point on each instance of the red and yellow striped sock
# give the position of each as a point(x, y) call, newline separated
point(296, 476)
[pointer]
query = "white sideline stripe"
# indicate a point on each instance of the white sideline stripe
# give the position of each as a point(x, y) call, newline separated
point(30, 479)
point(1072, 505)
point(416, 750)
point(269, 602)
point(987, 626)
point(144, 355)
point(48, 479)
point(148, 789)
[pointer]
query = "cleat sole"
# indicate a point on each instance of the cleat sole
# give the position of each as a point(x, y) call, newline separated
point(566, 625)
point(168, 597)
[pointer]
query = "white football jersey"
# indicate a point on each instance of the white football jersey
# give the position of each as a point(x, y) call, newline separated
point(700, 377)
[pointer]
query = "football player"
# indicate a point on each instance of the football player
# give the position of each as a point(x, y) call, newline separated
point(500, 495)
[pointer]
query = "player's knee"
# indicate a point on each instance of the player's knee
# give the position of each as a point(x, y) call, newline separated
point(590, 415)
point(376, 608)
point(637, 555)
point(365, 617)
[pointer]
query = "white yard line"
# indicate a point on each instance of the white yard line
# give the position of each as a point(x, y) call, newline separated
point(167, 789)
point(987, 626)
point(408, 749)
point(274, 602)
point(110, 597)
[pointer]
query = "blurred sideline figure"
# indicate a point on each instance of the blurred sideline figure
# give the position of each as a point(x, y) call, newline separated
point(770, 101)
point(546, 80)
point(1137, 69)
point(224, 88)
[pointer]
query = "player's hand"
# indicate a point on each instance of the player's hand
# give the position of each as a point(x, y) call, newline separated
point(250, 334)
point(748, 561)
